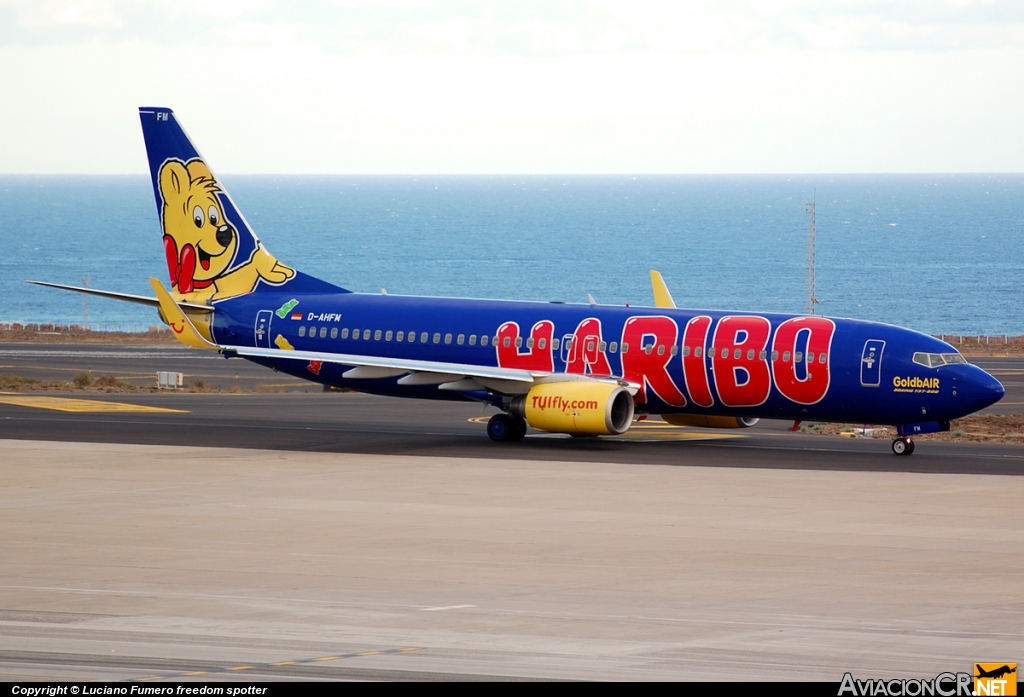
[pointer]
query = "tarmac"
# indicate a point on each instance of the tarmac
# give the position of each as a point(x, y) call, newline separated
point(315, 535)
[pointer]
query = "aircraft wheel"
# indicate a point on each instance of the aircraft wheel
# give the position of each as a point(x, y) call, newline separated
point(503, 428)
point(519, 431)
point(903, 446)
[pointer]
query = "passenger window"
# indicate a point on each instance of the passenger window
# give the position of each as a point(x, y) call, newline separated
point(423, 337)
point(821, 358)
point(388, 335)
point(750, 354)
point(810, 357)
point(686, 351)
point(737, 353)
point(541, 343)
point(411, 337)
point(355, 333)
point(447, 339)
point(698, 351)
point(798, 356)
point(613, 347)
point(725, 353)
point(366, 334)
point(437, 337)
point(472, 339)
point(376, 335)
point(519, 342)
point(648, 349)
point(302, 331)
point(590, 347)
point(762, 355)
point(661, 349)
point(323, 332)
point(529, 343)
point(334, 332)
point(507, 342)
point(568, 344)
point(674, 351)
point(554, 344)
point(483, 340)
point(785, 357)
point(625, 347)
point(344, 333)
point(602, 346)
point(461, 339)
point(775, 355)
point(400, 336)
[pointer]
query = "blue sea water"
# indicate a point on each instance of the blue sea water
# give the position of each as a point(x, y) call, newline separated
point(938, 253)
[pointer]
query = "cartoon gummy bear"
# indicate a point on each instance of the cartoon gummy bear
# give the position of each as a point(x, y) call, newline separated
point(200, 243)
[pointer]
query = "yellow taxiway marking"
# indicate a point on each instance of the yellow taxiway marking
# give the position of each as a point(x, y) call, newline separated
point(297, 662)
point(78, 405)
point(644, 431)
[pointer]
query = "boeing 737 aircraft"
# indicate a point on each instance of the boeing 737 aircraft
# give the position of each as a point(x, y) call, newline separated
point(585, 370)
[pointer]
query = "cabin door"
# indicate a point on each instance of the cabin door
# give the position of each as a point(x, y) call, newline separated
point(871, 363)
point(263, 328)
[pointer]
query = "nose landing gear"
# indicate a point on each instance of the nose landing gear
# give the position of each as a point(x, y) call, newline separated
point(904, 445)
point(506, 428)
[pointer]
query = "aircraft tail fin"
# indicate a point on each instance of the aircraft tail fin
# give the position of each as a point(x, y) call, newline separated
point(212, 252)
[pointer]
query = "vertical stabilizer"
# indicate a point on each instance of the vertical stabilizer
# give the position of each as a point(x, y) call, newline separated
point(212, 253)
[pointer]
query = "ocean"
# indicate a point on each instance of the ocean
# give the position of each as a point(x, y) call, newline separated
point(937, 253)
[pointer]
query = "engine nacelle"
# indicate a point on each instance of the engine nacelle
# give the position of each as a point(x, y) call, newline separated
point(582, 407)
point(709, 421)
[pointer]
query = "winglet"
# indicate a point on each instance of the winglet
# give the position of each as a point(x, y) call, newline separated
point(662, 298)
point(183, 329)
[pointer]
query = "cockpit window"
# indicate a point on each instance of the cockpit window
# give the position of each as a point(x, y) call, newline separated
point(934, 360)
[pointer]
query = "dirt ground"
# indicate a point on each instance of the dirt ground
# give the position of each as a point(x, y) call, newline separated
point(992, 428)
point(79, 336)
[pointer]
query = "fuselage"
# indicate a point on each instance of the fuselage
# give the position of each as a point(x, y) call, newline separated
point(763, 365)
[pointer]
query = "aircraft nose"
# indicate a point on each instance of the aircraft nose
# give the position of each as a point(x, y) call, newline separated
point(979, 389)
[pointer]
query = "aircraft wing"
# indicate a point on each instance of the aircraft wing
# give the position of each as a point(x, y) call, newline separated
point(458, 377)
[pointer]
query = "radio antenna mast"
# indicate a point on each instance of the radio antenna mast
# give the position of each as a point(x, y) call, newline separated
point(811, 300)
point(85, 298)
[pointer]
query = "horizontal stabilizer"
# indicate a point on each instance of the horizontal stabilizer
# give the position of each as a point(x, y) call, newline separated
point(126, 297)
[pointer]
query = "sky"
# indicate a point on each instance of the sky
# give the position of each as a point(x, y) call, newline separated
point(531, 86)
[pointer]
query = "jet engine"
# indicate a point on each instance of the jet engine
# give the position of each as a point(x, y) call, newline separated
point(583, 407)
point(709, 421)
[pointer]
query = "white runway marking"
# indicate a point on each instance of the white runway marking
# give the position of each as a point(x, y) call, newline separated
point(449, 607)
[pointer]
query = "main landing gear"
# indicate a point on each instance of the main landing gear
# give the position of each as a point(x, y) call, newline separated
point(506, 428)
point(904, 445)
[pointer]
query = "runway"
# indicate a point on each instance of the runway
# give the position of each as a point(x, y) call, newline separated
point(148, 562)
point(312, 535)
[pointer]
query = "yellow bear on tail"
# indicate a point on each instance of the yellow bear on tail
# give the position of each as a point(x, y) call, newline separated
point(200, 243)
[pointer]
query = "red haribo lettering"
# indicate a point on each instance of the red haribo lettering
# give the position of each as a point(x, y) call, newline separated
point(585, 355)
point(646, 351)
point(538, 355)
point(695, 372)
point(742, 375)
point(788, 336)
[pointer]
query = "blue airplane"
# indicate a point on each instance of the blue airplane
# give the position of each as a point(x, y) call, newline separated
point(585, 370)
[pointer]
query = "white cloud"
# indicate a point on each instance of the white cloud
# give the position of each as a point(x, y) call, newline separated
point(727, 86)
